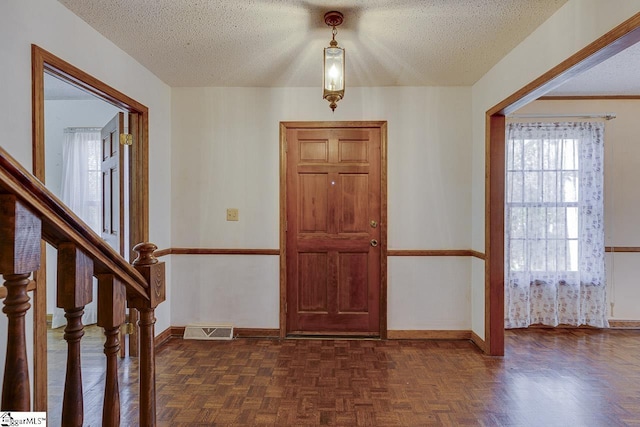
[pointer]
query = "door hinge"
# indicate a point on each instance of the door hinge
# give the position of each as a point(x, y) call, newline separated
point(286, 226)
point(126, 139)
point(127, 329)
point(286, 308)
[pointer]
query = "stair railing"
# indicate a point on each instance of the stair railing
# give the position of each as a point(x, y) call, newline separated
point(29, 212)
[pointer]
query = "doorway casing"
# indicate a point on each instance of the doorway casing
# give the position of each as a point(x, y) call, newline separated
point(383, 212)
point(43, 62)
point(613, 42)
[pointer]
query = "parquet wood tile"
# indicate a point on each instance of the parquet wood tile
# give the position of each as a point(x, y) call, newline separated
point(548, 377)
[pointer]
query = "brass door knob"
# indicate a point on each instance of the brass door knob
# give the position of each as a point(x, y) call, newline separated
point(374, 242)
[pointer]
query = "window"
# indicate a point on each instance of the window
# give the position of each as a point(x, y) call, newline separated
point(81, 191)
point(542, 204)
point(81, 174)
point(554, 227)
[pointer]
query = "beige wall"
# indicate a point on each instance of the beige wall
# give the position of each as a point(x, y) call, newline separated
point(225, 154)
point(53, 27)
point(622, 194)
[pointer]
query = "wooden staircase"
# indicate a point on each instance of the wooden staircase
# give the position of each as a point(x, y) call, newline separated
point(29, 214)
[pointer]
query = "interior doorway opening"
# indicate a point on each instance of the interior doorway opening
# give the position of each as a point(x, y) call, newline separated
point(46, 64)
point(611, 43)
point(74, 152)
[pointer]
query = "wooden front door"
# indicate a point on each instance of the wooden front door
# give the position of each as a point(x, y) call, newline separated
point(333, 232)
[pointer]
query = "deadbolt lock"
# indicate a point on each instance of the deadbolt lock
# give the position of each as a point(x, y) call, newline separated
point(373, 223)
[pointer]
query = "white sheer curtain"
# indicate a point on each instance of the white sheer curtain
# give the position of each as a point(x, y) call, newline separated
point(554, 227)
point(82, 192)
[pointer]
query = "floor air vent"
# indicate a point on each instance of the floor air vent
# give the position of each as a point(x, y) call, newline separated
point(208, 332)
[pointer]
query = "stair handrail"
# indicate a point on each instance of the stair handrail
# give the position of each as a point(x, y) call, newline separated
point(30, 212)
point(60, 224)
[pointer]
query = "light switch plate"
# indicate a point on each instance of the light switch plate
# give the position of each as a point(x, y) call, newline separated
point(232, 214)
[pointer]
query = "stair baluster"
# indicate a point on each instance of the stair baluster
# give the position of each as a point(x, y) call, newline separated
point(20, 232)
point(75, 288)
point(111, 315)
point(30, 213)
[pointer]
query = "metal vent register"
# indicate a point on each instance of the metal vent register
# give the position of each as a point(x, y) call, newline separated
point(208, 332)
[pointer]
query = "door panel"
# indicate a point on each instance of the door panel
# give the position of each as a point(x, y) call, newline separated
point(313, 203)
point(353, 151)
point(352, 279)
point(115, 204)
point(354, 204)
point(312, 270)
point(314, 151)
point(333, 194)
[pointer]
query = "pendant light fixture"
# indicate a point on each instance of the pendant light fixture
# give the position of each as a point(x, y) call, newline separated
point(333, 76)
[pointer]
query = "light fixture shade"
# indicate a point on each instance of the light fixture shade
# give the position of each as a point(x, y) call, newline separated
point(333, 80)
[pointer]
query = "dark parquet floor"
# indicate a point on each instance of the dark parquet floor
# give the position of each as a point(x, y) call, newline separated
point(568, 377)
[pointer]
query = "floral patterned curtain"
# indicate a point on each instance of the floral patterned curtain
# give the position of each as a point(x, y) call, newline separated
point(554, 227)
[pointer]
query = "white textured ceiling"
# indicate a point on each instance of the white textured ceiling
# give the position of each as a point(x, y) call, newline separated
point(279, 42)
point(57, 90)
point(619, 75)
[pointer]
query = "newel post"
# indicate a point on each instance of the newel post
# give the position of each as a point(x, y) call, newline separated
point(154, 273)
point(20, 234)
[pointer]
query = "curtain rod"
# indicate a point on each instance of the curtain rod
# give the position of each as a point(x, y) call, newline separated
point(82, 129)
point(606, 116)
